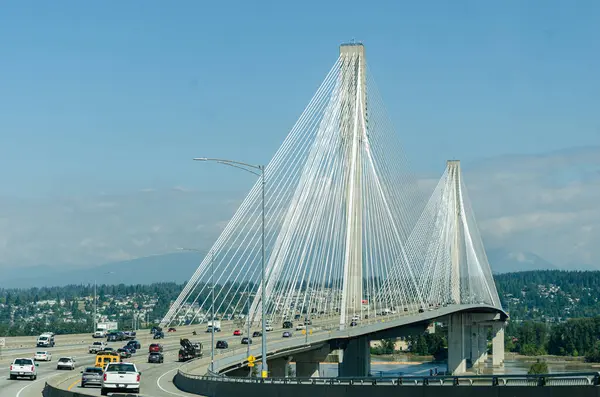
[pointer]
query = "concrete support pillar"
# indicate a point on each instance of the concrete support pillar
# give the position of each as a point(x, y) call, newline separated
point(457, 358)
point(356, 359)
point(307, 369)
point(278, 367)
point(498, 345)
point(308, 363)
point(482, 345)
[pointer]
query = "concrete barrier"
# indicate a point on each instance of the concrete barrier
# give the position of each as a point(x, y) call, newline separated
point(216, 388)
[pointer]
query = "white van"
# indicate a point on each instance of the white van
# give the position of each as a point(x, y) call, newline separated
point(45, 340)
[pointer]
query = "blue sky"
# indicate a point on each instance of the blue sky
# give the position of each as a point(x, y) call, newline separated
point(118, 96)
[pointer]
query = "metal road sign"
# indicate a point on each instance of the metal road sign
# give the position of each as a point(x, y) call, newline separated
point(251, 364)
point(251, 359)
point(2, 342)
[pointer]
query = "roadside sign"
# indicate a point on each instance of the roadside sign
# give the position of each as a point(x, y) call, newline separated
point(2, 342)
point(251, 364)
point(251, 359)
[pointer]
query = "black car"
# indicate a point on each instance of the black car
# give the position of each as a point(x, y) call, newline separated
point(156, 358)
point(256, 334)
point(353, 324)
point(136, 345)
point(246, 341)
point(288, 324)
point(158, 335)
point(130, 349)
point(222, 344)
point(287, 334)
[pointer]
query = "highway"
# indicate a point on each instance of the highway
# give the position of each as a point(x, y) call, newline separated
point(156, 378)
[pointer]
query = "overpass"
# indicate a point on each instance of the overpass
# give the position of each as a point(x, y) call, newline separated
point(338, 229)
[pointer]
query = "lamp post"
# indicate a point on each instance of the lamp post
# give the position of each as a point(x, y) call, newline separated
point(96, 304)
point(261, 173)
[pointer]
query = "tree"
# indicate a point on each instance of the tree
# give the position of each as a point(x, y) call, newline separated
point(538, 368)
point(420, 346)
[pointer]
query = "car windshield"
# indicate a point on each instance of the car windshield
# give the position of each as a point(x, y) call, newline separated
point(41, 353)
point(23, 361)
point(121, 367)
point(64, 360)
point(93, 370)
point(43, 338)
point(155, 354)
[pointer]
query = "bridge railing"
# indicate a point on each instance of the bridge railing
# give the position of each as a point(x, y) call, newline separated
point(571, 379)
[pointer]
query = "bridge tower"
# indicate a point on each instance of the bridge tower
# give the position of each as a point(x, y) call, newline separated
point(453, 167)
point(353, 122)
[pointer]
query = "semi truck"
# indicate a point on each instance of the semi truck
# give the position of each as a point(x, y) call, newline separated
point(189, 350)
point(102, 329)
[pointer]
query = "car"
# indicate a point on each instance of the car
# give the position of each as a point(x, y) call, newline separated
point(136, 345)
point(156, 358)
point(256, 334)
point(171, 330)
point(91, 376)
point(355, 318)
point(222, 344)
point(42, 355)
point(237, 332)
point(124, 353)
point(268, 328)
point(300, 327)
point(307, 321)
point(287, 334)
point(65, 363)
point(158, 335)
point(155, 348)
point(288, 324)
point(246, 341)
point(108, 349)
point(353, 324)
point(23, 367)
point(120, 376)
point(130, 349)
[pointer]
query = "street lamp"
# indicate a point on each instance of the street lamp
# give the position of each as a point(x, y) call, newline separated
point(261, 173)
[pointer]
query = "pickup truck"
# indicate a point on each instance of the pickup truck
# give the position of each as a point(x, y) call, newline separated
point(96, 347)
point(120, 376)
point(23, 367)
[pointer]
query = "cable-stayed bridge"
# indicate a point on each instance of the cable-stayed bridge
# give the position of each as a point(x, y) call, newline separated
point(348, 237)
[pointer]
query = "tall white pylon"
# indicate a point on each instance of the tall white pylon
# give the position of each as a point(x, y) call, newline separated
point(355, 131)
point(447, 250)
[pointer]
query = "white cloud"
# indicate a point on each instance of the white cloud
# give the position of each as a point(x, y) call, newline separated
point(547, 205)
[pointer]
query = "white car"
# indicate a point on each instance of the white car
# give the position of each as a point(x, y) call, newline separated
point(300, 327)
point(269, 328)
point(42, 356)
point(65, 363)
point(23, 367)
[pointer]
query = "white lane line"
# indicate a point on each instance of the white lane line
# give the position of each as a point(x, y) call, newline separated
point(31, 384)
point(163, 389)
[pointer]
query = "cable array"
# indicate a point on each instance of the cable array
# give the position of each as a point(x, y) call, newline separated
point(347, 231)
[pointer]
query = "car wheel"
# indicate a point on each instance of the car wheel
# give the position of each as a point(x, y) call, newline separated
point(13, 377)
point(103, 392)
point(82, 385)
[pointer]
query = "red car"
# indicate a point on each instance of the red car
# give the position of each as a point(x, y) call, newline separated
point(237, 332)
point(155, 348)
point(171, 330)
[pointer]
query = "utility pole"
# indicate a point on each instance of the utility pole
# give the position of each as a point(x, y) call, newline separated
point(95, 322)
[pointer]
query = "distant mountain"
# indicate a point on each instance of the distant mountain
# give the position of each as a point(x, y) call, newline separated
point(177, 267)
point(505, 261)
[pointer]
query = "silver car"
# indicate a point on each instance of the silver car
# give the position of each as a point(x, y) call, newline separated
point(66, 363)
point(91, 376)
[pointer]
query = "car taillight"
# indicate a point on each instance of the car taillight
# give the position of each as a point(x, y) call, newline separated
point(104, 376)
point(138, 378)
point(11, 367)
point(32, 368)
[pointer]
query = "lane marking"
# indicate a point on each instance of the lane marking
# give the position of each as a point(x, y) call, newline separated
point(162, 388)
point(31, 384)
point(72, 385)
